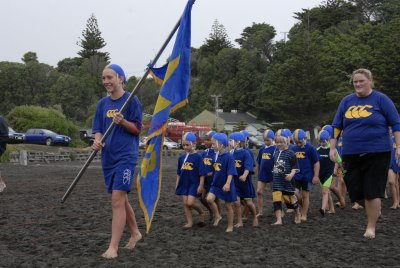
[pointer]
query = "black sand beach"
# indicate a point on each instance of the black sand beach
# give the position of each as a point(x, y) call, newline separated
point(36, 230)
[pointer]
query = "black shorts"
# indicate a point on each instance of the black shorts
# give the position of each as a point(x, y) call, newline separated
point(365, 175)
point(303, 185)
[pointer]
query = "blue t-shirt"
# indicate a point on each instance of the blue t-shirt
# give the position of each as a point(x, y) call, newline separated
point(265, 161)
point(121, 146)
point(193, 167)
point(209, 159)
point(306, 156)
point(223, 167)
point(364, 122)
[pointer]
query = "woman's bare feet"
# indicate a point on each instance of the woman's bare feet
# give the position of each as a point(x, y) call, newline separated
point(110, 253)
point(238, 225)
point(187, 226)
point(255, 221)
point(229, 230)
point(357, 206)
point(278, 222)
point(132, 241)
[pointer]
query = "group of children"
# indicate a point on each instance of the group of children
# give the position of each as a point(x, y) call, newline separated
point(287, 163)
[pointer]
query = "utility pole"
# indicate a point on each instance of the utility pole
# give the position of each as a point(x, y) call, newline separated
point(284, 36)
point(216, 101)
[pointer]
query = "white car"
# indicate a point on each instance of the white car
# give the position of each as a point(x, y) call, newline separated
point(170, 144)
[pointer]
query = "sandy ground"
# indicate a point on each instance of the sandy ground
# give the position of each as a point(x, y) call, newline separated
point(36, 230)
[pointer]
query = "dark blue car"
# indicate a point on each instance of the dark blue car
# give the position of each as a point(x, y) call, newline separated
point(45, 136)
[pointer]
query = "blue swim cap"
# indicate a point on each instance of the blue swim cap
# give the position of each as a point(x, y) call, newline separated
point(328, 128)
point(210, 133)
point(237, 136)
point(323, 135)
point(116, 68)
point(189, 136)
point(222, 138)
point(245, 133)
point(299, 135)
point(269, 134)
point(283, 132)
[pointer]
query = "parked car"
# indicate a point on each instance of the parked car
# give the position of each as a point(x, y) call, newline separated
point(170, 144)
point(256, 142)
point(45, 136)
point(15, 137)
point(87, 136)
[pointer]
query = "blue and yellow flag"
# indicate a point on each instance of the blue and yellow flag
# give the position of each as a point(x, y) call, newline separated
point(173, 95)
point(158, 74)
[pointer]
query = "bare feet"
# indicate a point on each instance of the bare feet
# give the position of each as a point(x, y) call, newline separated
point(259, 215)
point(331, 212)
point(201, 223)
point(132, 241)
point(302, 218)
point(187, 226)
point(395, 206)
point(357, 206)
point(229, 230)
point(216, 221)
point(369, 233)
point(255, 222)
point(110, 254)
point(277, 223)
point(238, 225)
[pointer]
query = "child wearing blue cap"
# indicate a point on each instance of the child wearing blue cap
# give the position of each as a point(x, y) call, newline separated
point(285, 167)
point(265, 164)
point(190, 179)
point(307, 158)
point(243, 182)
point(222, 186)
point(326, 170)
point(209, 157)
point(119, 153)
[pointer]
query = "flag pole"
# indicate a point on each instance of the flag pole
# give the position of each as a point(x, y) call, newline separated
point(108, 131)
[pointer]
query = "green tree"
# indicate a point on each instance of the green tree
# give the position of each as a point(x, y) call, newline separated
point(217, 40)
point(259, 38)
point(92, 41)
point(30, 57)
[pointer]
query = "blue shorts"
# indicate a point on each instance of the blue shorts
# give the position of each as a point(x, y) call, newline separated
point(119, 178)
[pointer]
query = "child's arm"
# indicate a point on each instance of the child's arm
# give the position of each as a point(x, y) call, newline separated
point(315, 179)
point(200, 189)
point(177, 180)
point(227, 186)
point(244, 175)
point(290, 176)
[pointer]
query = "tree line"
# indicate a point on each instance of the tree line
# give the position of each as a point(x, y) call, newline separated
point(299, 81)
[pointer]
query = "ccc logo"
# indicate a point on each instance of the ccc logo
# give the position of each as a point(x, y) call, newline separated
point(217, 166)
point(238, 163)
point(207, 161)
point(300, 155)
point(111, 113)
point(358, 111)
point(187, 166)
point(266, 156)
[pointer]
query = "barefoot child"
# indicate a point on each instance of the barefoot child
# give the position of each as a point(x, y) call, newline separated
point(308, 162)
point(243, 182)
point(190, 179)
point(285, 167)
point(209, 157)
point(119, 153)
point(326, 172)
point(222, 186)
point(265, 164)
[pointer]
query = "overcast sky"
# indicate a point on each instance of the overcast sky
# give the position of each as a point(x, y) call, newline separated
point(133, 30)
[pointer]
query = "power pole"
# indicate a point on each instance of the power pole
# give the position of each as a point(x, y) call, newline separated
point(284, 36)
point(216, 101)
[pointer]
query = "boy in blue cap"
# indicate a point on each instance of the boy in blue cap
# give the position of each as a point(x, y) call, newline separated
point(190, 179)
point(243, 182)
point(119, 153)
point(307, 158)
point(222, 186)
point(265, 164)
